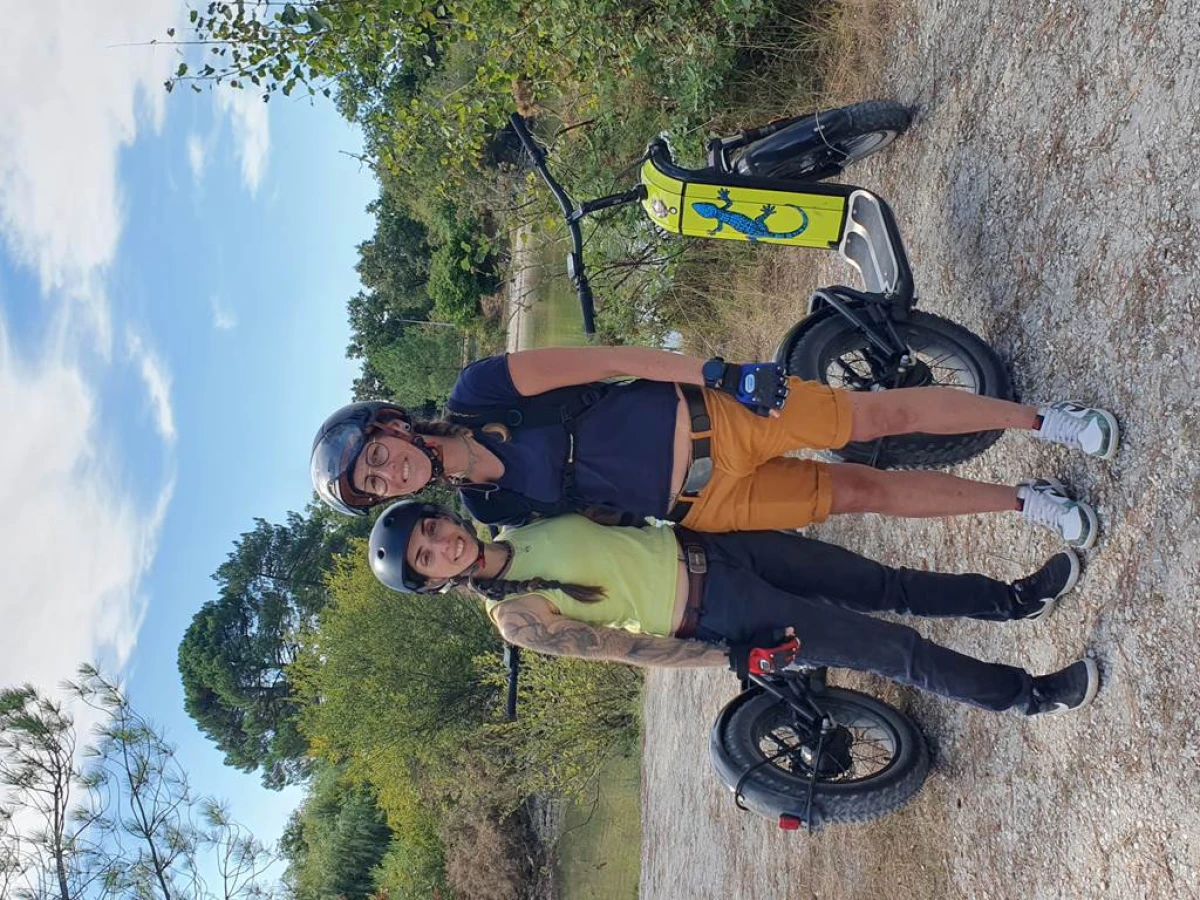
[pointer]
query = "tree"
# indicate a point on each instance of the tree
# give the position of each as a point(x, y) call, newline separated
point(421, 365)
point(393, 266)
point(38, 765)
point(335, 840)
point(133, 827)
point(392, 680)
point(234, 656)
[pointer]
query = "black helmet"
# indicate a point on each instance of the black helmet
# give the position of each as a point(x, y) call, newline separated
point(389, 545)
point(335, 450)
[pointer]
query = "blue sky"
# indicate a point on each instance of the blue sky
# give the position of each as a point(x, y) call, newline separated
point(174, 272)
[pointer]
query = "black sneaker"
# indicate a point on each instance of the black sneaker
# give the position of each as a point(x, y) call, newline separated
point(1065, 690)
point(1038, 594)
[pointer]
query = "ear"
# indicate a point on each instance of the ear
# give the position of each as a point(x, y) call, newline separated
point(395, 428)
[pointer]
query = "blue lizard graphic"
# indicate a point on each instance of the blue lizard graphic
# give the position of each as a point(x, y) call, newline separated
point(753, 229)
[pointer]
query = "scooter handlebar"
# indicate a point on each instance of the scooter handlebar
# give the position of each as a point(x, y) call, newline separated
point(576, 268)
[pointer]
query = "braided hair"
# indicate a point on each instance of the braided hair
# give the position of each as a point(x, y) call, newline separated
point(499, 588)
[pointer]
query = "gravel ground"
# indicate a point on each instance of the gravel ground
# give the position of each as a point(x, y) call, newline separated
point(1050, 200)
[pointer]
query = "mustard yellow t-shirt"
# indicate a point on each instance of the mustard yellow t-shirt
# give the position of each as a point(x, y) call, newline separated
point(637, 568)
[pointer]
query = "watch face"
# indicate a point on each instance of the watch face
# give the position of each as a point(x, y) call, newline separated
point(713, 370)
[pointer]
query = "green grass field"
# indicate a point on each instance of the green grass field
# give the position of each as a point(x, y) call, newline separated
point(554, 318)
point(599, 855)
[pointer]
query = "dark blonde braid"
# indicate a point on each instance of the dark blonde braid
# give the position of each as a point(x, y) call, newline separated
point(499, 588)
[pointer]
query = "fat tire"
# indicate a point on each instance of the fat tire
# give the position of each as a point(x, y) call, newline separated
point(833, 802)
point(886, 117)
point(809, 358)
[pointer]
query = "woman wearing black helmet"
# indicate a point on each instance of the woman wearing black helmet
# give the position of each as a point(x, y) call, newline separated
point(700, 443)
point(660, 596)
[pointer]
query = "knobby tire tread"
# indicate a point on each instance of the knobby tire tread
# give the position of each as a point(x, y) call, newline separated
point(864, 801)
point(910, 451)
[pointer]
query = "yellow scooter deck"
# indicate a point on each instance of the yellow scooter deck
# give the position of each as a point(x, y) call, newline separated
point(740, 212)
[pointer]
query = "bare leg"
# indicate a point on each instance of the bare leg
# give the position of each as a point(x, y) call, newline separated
point(933, 410)
point(859, 489)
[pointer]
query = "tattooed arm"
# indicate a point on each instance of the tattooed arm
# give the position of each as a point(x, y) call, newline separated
point(532, 622)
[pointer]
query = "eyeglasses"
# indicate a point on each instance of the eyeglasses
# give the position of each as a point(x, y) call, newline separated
point(375, 455)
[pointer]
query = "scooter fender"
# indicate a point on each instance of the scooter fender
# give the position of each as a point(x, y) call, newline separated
point(810, 131)
point(756, 798)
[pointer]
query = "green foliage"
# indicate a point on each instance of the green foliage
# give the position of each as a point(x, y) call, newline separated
point(422, 364)
point(574, 715)
point(432, 81)
point(413, 870)
point(234, 656)
point(455, 285)
point(393, 266)
point(380, 697)
point(334, 840)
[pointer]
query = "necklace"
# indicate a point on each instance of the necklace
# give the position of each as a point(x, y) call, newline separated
point(470, 466)
point(467, 442)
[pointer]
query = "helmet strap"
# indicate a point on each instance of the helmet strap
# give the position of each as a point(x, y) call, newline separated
point(467, 575)
point(433, 453)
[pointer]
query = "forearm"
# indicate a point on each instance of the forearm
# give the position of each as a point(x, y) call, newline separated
point(565, 637)
point(649, 652)
point(535, 371)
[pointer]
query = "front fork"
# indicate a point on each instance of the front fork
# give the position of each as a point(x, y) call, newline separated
point(796, 689)
point(873, 316)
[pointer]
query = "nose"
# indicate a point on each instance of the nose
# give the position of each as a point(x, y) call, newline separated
point(447, 538)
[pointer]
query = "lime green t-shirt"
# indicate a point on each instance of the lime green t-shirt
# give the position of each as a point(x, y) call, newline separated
point(637, 567)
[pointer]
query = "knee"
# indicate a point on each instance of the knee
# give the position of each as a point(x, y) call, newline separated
point(853, 488)
point(874, 414)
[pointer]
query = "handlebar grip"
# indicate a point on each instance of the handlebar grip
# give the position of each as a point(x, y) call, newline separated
point(512, 659)
point(588, 307)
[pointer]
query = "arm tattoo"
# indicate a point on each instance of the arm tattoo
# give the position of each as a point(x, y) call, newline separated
point(560, 636)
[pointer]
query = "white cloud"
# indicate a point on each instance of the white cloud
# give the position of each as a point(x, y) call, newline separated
point(69, 101)
point(75, 546)
point(197, 155)
point(77, 84)
point(223, 318)
point(157, 380)
point(248, 115)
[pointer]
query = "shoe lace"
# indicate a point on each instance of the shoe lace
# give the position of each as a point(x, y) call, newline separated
point(1041, 508)
point(1061, 428)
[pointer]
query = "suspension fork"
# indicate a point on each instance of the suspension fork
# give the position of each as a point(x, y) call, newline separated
point(796, 690)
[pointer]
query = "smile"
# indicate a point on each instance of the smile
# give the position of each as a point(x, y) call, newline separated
point(405, 471)
point(459, 545)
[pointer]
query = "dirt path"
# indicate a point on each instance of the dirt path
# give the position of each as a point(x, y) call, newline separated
point(1050, 199)
point(520, 293)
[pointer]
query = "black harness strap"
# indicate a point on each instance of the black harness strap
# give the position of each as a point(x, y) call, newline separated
point(561, 408)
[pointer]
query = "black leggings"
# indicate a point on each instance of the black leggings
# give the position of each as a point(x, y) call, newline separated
point(760, 582)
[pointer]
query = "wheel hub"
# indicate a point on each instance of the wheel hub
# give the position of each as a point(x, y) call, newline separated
point(835, 753)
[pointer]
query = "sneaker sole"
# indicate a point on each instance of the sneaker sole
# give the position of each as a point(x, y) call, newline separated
point(1113, 429)
point(1116, 435)
point(1072, 580)
point(1093, 523)
point(1093, 529)
point(1089, 695)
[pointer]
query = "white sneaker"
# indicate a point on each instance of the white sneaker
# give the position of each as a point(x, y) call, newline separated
point(1094, 431)
point(1045, 502)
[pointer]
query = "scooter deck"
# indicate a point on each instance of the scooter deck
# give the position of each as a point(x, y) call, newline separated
point(742, 208)
point(852, 221)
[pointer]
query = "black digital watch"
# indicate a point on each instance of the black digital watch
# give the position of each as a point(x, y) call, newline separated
point(713, 372)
